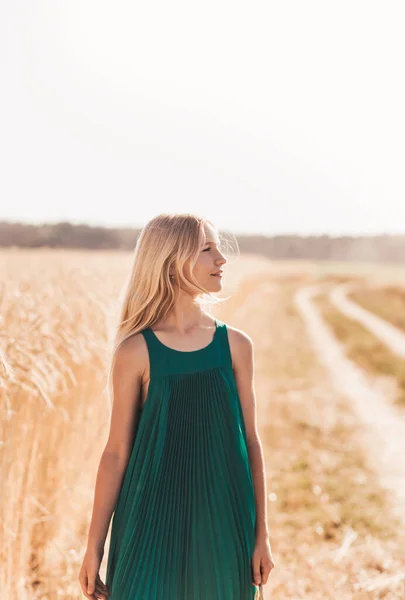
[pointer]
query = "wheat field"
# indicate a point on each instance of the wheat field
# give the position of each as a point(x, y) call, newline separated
point(331, 414)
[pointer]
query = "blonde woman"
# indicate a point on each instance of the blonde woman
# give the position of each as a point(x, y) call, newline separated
point(183, 469)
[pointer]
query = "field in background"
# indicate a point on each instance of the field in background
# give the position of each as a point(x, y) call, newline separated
point(386, 301)
point(366, 350)
point(333, 527)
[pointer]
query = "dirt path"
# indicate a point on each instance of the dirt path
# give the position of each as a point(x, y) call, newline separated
point(390, 335)
point(325, 547)
point(381, 428)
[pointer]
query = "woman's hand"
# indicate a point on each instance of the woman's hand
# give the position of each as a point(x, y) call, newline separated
point(90, 582)
point(262, 561)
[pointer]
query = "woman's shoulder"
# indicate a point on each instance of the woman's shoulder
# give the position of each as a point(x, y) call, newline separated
point(240, 344)
point(239, 340)
point(238, 336)
point(133, 352)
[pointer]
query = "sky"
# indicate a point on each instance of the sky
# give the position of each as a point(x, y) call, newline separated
point(266, 117)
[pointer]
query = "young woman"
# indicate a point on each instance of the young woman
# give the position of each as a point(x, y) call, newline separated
point(183, 467)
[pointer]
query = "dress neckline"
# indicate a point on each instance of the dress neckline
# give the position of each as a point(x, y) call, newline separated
point(187, 351)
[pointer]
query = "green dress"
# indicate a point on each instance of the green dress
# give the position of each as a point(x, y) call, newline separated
point(183, 527)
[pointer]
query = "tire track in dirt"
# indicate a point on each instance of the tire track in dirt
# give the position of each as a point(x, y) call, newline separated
point(381, 428)
point(295, 398)
point(388, 334)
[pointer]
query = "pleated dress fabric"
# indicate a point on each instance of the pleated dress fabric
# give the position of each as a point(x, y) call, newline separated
point(183, 526)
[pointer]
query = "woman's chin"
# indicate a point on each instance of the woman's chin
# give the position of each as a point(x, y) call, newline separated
point(215, 285)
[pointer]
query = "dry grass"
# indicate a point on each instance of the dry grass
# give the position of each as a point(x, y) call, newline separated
point(331, 529)
point(365, 349)
point(386, 302)
point(55, 308)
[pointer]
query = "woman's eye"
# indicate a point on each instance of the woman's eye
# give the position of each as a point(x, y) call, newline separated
point(209, 248)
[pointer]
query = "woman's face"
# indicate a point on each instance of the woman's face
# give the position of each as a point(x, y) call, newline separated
point(210, 260)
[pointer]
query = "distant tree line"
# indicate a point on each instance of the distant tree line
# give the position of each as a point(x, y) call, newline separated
point(384, 248)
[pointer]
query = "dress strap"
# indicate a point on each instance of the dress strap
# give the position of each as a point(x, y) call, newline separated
point(154, 351)
point(223, 347)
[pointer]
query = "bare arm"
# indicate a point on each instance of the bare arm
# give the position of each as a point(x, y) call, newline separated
point(243, 367)
point(126, 383)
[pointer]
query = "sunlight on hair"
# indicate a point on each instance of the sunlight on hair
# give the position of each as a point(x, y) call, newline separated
point(168, 242)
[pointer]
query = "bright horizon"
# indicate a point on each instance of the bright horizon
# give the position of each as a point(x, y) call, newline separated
point(266, 119)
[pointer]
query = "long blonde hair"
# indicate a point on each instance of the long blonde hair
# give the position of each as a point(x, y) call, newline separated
point(167, 243)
